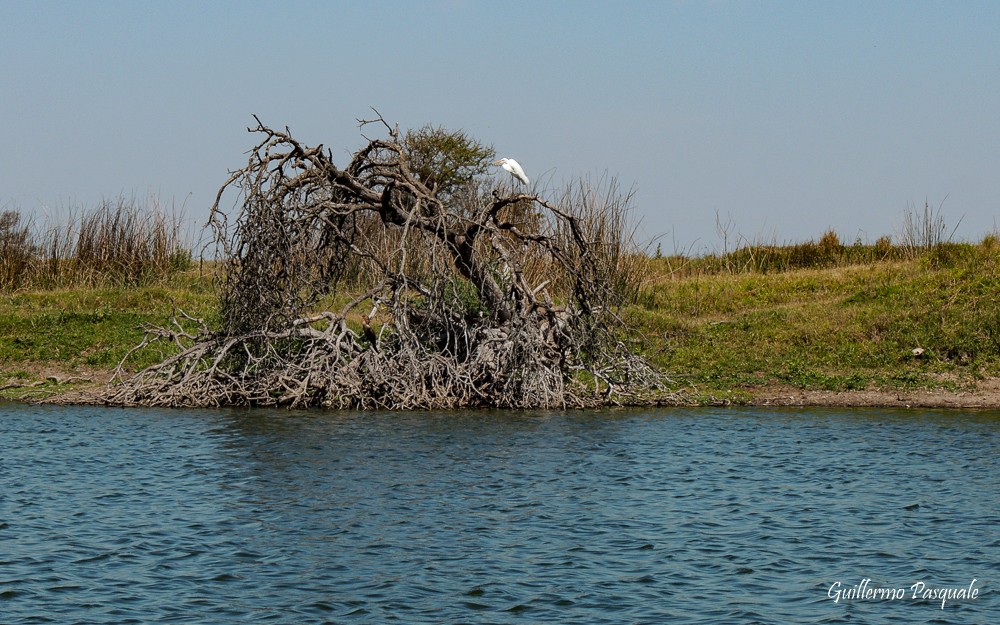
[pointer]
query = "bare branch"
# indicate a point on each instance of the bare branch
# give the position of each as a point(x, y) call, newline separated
point(475, 298)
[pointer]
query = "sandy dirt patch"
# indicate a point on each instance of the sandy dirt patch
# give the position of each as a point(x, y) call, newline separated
point(986, 394)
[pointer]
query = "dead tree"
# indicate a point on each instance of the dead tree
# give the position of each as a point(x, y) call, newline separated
point(364, 287)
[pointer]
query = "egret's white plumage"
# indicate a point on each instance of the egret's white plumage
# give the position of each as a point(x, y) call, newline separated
point(512, 166)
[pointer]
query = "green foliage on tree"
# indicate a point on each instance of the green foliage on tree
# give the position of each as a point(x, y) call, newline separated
point(445, 160)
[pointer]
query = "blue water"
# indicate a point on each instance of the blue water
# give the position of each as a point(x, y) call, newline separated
point(635, 516)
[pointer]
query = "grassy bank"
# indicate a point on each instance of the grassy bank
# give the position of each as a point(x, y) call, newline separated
point(818, 315)
point(73, 292)
point(77, 335)
point(853, 318)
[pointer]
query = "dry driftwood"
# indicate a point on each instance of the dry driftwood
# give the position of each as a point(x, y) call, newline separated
point(482, 297)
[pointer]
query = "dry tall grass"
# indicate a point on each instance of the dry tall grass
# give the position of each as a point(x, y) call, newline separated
point(120, 242)
point(924, 231)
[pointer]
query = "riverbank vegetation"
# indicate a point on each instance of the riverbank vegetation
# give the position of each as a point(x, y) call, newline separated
point(918, 311)
point(864, 316)
point(470, 293)
point(121, 242)
point(855, 317)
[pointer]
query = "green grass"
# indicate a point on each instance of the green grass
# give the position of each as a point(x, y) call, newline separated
point(846, 327)
point(724, 331)
point(80, 329)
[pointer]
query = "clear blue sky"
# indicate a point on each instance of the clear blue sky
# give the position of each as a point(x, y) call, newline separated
point(782, 118)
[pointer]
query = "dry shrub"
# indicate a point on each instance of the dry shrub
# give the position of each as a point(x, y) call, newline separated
point(475, 297)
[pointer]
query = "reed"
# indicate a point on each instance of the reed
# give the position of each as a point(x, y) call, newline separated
point(603, 213)
point(119, 243)
point(17, 251)
point(925, 230)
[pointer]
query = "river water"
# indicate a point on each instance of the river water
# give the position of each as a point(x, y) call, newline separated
point(630, 516)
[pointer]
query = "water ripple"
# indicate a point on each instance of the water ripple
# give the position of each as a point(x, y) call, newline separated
point(690, 516)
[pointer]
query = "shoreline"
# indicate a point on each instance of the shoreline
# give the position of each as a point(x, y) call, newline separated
point(985, 394)
point(907, 332)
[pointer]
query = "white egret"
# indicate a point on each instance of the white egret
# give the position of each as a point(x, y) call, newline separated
point(512, 166)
